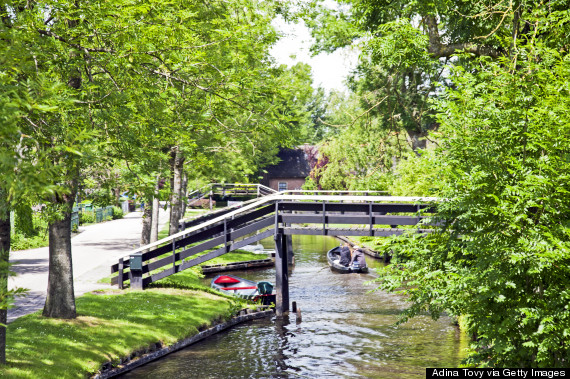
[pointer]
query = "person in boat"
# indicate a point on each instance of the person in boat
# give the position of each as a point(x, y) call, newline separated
point(358, 257)
point(344, 255)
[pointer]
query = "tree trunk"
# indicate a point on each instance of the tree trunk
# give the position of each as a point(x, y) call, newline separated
point(154, 224)
point(155, 212)
point(147, 221)
point(416, 140)
point(60, 301)
point(184, 194)
point(177, 165)
point(4, 259)
point(117, 193)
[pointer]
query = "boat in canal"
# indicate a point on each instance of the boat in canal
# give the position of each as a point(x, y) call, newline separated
point(245, 289)
point(333, 258)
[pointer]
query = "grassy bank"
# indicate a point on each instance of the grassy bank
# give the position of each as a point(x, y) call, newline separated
point(109, 326)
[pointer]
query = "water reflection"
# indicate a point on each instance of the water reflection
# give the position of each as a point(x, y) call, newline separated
point(345, 332)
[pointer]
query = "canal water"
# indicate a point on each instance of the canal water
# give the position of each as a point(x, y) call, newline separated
point(346, 331)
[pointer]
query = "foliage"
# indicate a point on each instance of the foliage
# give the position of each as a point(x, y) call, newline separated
point(37, 238)
point(359, 153)
point(502, 257)
point(406, 49)
point(117, 213)
point(86, 217)
point(417, 175)
point(23, 221)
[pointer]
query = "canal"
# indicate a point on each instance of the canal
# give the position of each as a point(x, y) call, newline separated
point(346, 331)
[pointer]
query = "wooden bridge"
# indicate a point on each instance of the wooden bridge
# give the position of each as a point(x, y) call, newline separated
point(278, 215)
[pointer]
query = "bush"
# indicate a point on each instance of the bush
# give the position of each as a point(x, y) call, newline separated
point(19, 241)
point(117, 213)
point(86, 217)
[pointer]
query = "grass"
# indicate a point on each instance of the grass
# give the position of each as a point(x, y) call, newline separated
point(109, 326)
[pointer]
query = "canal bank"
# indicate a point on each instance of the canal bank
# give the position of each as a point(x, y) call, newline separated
point(158, 351)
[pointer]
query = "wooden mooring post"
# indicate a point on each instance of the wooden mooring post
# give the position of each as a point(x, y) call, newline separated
point(281, 276)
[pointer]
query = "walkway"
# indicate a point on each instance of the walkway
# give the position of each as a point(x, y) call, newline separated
point(94, 250)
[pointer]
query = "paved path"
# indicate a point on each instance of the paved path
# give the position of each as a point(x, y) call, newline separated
point(94, 250)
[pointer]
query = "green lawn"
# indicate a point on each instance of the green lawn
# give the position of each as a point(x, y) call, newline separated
point(109, 326)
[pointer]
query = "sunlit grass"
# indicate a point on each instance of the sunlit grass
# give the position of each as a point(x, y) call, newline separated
point(109, 326)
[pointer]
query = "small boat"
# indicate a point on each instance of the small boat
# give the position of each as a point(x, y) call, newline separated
point(333, 257)
point(245, 289)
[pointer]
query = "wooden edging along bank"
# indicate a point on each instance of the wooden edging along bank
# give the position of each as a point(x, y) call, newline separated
point(109, 372)
point(238, 265)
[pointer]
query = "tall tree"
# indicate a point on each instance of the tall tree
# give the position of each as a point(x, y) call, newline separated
point(501, 260)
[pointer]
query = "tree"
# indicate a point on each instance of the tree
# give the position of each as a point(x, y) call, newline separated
point(502, 257)
point(24, 178)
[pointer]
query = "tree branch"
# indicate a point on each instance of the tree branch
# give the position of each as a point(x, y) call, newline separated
point(194, 84)
point(440, 50)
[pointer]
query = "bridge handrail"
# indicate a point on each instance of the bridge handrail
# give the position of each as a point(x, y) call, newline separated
point(209, 187)
point(293, 192)
point(280, 197)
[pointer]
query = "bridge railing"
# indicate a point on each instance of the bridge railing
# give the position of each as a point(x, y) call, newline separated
point(229, 189)
point(261, 218)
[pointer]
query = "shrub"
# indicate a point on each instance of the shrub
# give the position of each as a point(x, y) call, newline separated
point(21, 242)
point(117, 213)
point(86, 217)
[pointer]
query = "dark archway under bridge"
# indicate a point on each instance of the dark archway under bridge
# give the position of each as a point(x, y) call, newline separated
point(279, 215)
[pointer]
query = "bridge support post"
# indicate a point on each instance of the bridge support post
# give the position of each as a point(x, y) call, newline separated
point(281, 276)
point(289, 244)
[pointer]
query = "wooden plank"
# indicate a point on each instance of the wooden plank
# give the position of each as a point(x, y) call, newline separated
point(209, 245)
point(237, 266)
point(202, 247)
point(203, 234)
point(165, 261)
point(120, 280)
point(156, 252)
point(258, 213)
point(353, 207)
point(352, 231)
point(115, 267)
point(251, 228)
point(348, 219)
point(159, 275)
